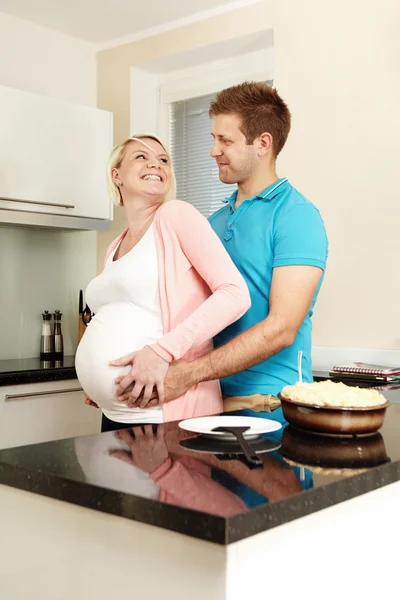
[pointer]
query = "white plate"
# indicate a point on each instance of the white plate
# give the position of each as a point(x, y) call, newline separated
point(205, 425)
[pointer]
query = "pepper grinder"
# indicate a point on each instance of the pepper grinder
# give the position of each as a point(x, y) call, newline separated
point(58, 337)
point(46, 341)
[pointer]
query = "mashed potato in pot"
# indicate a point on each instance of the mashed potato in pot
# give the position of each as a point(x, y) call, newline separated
point(333, 394)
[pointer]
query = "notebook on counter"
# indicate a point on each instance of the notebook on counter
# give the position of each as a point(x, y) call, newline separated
point(361, 370)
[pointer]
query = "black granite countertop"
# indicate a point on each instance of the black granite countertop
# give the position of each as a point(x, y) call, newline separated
point(33, 370)
point(17, 371)
point(154, 479)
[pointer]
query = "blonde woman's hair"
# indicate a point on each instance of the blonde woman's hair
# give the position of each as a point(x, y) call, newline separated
point(114, 162)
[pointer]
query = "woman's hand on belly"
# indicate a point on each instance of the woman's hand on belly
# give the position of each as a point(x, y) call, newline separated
point(148, 371)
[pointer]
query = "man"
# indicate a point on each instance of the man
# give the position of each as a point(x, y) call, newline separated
point(277, 240)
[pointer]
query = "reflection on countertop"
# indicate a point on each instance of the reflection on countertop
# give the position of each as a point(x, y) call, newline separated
point(170, 478)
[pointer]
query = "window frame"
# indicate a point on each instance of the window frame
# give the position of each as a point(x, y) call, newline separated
point(209, 78)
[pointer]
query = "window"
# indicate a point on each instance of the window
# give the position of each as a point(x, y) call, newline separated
point(196, 172)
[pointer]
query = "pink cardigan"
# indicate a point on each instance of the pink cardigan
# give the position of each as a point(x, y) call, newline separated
point(201, 293)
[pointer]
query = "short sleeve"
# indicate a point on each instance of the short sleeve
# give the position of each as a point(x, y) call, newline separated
point(300, 237)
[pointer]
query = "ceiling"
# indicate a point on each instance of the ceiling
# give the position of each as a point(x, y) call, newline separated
point(102, 21)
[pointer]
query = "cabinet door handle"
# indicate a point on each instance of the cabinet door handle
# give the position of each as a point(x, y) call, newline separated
point(44, 393)
point(39, 203)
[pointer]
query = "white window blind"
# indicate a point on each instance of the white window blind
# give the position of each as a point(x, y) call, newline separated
point(191, 142)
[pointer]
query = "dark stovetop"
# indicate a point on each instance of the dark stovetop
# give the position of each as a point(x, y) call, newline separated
point(33, 370)
point(197, 493)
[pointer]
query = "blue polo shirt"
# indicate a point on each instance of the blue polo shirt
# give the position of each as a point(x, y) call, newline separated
point(278, 227)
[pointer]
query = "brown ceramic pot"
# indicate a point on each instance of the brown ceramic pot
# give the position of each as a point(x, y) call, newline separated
point(332, 420)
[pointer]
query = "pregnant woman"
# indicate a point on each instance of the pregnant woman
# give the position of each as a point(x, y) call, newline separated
point(168, 286)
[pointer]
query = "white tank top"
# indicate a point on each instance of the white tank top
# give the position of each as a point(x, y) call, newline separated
point(126, 303)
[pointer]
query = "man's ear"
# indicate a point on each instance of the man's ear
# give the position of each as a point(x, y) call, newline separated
point(265, 144)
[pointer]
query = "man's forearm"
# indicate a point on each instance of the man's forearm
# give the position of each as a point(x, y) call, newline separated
point(246, 350)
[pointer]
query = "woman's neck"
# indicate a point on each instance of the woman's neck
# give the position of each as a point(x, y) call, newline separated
point(140, 215)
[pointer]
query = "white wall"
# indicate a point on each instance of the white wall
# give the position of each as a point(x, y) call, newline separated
point(41, 269)
point(336, 64)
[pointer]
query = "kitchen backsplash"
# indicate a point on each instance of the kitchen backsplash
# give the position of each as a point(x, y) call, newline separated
point(41, 269)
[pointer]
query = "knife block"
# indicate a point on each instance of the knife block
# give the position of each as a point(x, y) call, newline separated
point(81, 328)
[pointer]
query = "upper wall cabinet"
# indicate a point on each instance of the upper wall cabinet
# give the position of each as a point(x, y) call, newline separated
point(53, 157)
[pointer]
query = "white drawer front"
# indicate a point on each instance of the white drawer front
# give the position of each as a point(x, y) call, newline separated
point(42, 412)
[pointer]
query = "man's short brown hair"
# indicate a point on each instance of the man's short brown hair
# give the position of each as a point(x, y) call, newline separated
point(260, 109)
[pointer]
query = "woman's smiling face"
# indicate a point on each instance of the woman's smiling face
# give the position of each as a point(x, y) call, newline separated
point(145, 170)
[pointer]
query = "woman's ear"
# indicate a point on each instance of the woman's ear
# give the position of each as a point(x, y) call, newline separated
point(115, 176)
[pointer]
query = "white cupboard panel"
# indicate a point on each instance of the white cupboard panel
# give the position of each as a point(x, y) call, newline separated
point(53, 154)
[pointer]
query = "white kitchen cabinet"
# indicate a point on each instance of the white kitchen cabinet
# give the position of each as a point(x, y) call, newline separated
point(41, 412)
point(53, 156)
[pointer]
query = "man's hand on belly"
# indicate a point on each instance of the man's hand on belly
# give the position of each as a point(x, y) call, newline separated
point(178, 381)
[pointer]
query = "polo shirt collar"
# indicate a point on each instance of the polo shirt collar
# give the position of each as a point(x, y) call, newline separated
point(231, 200)
point(267, 194)
point(272, 190)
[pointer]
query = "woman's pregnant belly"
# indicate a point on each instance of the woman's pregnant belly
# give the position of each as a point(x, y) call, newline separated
point(116, 330)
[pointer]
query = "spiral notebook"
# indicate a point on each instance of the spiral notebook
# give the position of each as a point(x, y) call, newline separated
point(366, 371)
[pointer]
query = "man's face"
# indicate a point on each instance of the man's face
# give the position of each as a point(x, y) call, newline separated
point(236, 160)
